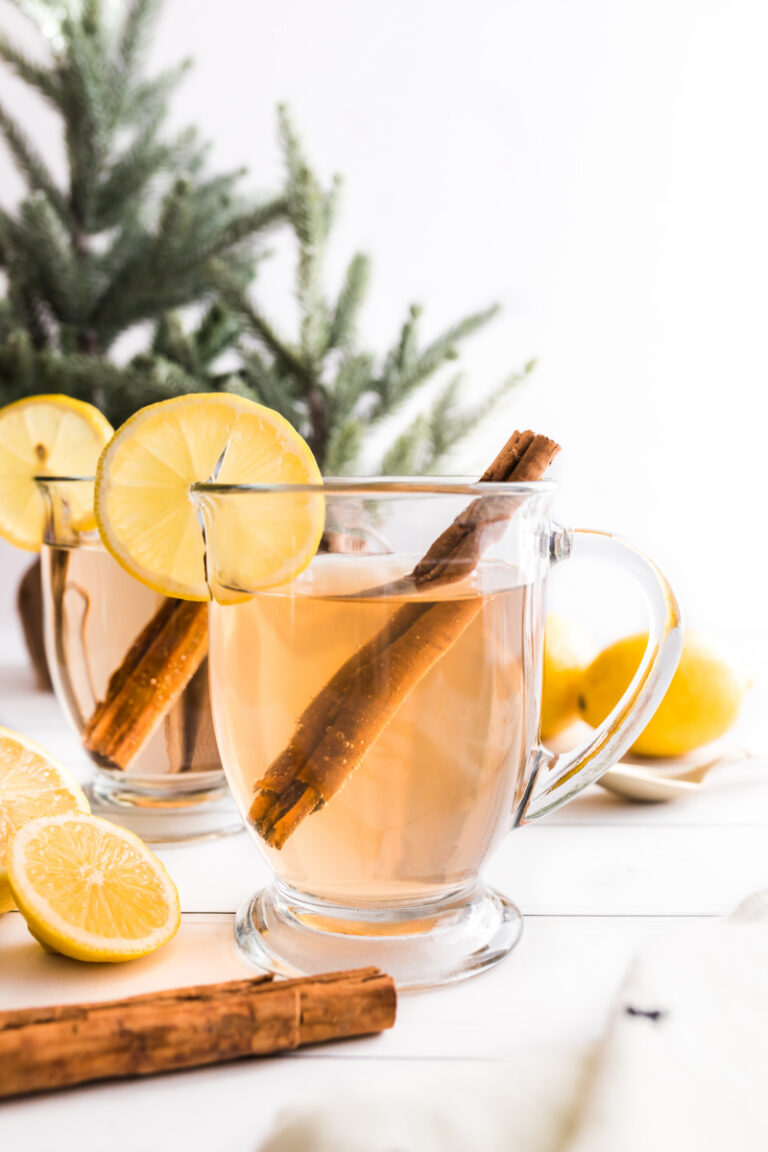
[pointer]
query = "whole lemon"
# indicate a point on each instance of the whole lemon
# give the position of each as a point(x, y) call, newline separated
point(568, 649)
point(701, 703)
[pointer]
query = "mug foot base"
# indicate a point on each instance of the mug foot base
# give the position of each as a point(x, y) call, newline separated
point(434, 944)
point(160, 814)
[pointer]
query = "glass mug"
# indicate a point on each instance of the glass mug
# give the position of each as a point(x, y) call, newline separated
point(156, 764)
point(381, 738)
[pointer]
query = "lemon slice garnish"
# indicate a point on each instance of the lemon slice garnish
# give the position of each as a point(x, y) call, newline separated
point(90, 889)
point(150, 522)
point(32, 783)
point(46, 436)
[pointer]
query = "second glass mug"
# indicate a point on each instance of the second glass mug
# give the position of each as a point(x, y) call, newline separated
point(156, 763)
point(380, 738)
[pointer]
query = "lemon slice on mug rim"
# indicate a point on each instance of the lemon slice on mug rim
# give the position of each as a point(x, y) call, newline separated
point(46, 436)
point(150, 521)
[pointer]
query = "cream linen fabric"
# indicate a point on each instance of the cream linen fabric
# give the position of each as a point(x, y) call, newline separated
point(682, 1068)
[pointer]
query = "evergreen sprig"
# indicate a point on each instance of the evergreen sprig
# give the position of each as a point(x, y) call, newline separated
point(322, 381)
point(132, 231)
point(140, 230)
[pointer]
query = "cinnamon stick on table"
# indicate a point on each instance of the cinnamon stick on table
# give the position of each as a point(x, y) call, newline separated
point(349, 713)
point(46, 1048)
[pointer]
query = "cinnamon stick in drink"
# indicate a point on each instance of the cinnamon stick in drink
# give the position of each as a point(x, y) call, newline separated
point(190, 741)
point(157, 668)
point(46, 1048)
point(349, 713)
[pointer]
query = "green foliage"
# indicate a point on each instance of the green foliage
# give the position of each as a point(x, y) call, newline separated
point(329, 388)
point(132, 232)
point(140, 230)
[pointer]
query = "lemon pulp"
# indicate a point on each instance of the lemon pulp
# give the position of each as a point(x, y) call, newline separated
point(150, 521)
point(32, 784)
point(45, 436)
point(90, 889)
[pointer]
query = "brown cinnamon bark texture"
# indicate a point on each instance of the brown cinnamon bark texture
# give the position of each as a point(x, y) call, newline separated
point(349, 713)
point(157, 668)
point(46, 1048)
point(190, 740)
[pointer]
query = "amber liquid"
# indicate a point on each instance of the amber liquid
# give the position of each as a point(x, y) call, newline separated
point(93, 613)
point(436, 791)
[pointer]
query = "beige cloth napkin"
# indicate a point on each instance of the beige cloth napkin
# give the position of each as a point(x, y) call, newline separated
point(683, 1068)
point(685, 1061)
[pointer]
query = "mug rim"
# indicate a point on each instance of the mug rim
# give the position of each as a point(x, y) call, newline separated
point(384, 485)
point(362, 485)
point(62, 479)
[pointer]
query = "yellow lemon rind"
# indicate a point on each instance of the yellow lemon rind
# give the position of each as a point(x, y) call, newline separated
point(54, 932)
point(69, 784)
point(701, 704)
point(98, 423)
point(111, 539)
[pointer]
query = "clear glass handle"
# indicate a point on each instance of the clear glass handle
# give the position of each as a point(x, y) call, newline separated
point(556, 779)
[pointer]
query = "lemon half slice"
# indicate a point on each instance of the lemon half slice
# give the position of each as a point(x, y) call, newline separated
point(150, 522)
point(45, 436)
point(32, 783)
point(90, 889)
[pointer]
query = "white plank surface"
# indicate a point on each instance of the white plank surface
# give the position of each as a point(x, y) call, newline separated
point(594, 882)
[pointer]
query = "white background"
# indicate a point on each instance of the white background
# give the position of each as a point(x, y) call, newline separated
point(599, 167)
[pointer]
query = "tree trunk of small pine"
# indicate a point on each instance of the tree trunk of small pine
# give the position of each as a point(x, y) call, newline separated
point(29, 602)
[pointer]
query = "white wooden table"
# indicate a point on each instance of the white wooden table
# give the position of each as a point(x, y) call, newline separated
point(594, 881)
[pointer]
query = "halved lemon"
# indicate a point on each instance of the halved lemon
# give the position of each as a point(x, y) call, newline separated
point(46, 436)
point(32, 783)
point(149, 520)
point(90, 889)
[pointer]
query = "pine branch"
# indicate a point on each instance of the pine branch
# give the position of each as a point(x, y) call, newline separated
point(350, 385)
point(118, 391)
point(88, 106)
point(196, 350)
point(173, 266)
point(6, 224)
point(28, 310)
point(310, 211)
point(330, 204)
point(445, 423)
point(425, 443)
point(458, 423)
point(262, 383)
point(326, 385)
point(8, 320)
point(135, 233)
point(399, 362)
point(128, 175)
point(215, 334)
point(293, 156)
point(407, 454)
point(17, 366)
point(244, 225)
point(287, 359)
point(407, 369)
point(36, 75)
point(134, 35)
point(343, 324)
point(148, 100)
point(172, 343)
point(31, 165)
point(344, 446)
point(42, 240)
